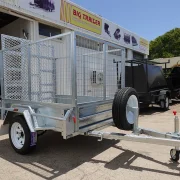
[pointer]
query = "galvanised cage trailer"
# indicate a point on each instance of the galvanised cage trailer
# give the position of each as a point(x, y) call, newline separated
point(70, 88)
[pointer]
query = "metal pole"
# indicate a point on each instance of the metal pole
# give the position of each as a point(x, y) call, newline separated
point(132, 71)
point(73, 75)
point(84, 79)
point(39, 72)
point(123, 69)
point(29, 72)
point(136, 120)
point(117, 69)
point(104, 70)
point(165, 69)
point(2, 84)
point(54, 74)
point(147, 76)
point(74, 78)
point(176, 126)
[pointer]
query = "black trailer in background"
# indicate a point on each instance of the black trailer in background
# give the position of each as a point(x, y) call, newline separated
point(172, 76)
point(149, 81)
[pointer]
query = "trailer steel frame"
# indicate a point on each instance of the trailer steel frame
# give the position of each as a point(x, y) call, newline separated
point(79, 118)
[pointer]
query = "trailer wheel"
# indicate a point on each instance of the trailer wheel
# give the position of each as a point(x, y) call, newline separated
point(20, 136)
point(174, 155)
point(164, 104)
point(123, 116)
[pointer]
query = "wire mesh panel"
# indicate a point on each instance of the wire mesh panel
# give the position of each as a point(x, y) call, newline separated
point(98, 70)
point(38, 72)
point(15, 68)
point(42, 71)
point(90, 62)
point(63, 69)
point(42, 68)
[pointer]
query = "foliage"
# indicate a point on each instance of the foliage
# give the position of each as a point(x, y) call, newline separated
point(166, 46)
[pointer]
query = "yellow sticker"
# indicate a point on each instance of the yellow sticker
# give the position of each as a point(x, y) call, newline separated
point(80, 18)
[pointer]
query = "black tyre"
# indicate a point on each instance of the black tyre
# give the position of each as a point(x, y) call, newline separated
point(174, 155)
point(122, 114)
point(164, 104)
point(20, 136)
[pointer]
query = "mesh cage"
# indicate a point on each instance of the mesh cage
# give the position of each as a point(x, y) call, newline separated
point(38, 72)
point(97, 75)
point(90, 61)
point(42, 71)
point(15, 68)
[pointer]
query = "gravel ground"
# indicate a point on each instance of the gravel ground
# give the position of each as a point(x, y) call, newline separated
point(86, 158)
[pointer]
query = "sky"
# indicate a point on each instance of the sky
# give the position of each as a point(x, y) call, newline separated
point(147, 18)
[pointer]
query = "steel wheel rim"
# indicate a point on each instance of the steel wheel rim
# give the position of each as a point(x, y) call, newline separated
point(131, 103)
point(17, 135)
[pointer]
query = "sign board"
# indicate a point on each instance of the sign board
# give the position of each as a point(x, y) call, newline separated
point(65, 11)
point(144, 44)
point(47, 8)
point(80, 18)
point(124, 37)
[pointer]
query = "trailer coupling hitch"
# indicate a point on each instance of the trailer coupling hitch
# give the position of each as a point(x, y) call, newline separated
point(100, 137)
point(96, 134)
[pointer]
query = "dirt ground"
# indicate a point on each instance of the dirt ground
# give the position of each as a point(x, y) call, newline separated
point(86, 158)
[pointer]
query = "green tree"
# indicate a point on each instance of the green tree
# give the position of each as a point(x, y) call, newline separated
point(166, 46)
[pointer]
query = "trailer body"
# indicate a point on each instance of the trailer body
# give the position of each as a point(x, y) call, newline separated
point(173, 81)
point(69, 89)
point(149, 81)
point(66, 88)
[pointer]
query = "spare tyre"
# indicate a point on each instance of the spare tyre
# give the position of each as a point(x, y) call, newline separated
point(123, 114)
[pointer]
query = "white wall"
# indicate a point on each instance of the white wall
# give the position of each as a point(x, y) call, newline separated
point(16, 28)
point(129, 54)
